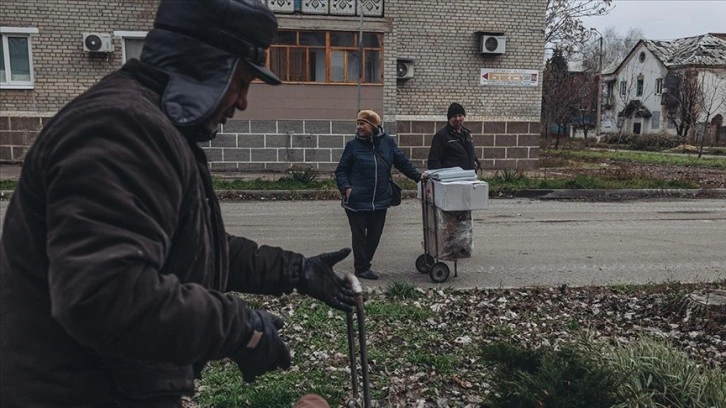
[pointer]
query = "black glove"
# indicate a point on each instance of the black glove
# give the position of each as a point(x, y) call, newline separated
point(264, 350)
point(318, 280)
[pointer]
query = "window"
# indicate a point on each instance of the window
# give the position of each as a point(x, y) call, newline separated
point(132, 43)
point(659, 86)
point(641, 57)
point(639, 88)
point(655, 120)
point(16, 58)
point(623, 88)
point(326, 57)
point(636, 128)
point(608, 98)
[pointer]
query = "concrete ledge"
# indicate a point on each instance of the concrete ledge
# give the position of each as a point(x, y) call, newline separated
point(593, 195)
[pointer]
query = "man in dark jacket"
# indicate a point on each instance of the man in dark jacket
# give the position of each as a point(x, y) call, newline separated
point(452, 145)
point(114, 261)
point(363, 178)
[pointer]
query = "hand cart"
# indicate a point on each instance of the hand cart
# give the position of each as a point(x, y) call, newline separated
point(447, 235)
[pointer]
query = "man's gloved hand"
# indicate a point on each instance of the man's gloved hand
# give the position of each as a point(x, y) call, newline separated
point(318, 280)
point(265, 350)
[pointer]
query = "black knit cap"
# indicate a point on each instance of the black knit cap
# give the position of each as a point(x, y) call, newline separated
point(455, 109)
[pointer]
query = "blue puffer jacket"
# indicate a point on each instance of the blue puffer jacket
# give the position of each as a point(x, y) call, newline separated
point(363, 170)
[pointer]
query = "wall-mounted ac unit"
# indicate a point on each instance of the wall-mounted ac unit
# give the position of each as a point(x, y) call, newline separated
point(493, 43)
point(97, 42)
point(404, 68)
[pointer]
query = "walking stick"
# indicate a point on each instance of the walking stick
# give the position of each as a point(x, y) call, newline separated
point(354, 402)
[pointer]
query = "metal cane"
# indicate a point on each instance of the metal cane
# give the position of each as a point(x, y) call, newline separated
point(354, 403)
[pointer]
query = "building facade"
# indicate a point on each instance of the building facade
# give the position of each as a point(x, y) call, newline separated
point(406, 59)
point(662, 86)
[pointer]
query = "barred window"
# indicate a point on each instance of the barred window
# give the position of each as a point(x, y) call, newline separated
point(326, 57)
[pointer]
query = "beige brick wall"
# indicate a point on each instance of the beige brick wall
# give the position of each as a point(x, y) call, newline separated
point(62, 69)
point(440, 36)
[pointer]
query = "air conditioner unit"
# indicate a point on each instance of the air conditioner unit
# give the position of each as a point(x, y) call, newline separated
point(404, 68)
point(493, 44)
point(97, 42)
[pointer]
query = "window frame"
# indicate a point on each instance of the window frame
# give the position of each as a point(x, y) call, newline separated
point(328, 50)
point(639, 87)
point(659, 86)
point(623, 88)
point(27, 32)
point(123, 35)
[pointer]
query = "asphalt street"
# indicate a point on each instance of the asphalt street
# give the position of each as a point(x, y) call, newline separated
point(517, 242)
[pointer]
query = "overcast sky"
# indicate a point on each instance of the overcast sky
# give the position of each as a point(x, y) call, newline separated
point(664, 19)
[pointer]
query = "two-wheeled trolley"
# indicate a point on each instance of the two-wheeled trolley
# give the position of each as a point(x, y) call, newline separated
point(446, 207)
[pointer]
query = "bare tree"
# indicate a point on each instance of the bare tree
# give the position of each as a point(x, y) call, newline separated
point(564, 29)
point(614, 50)
point(711, 98)
point(557, 100)
point(583, 90)
point(680, 99)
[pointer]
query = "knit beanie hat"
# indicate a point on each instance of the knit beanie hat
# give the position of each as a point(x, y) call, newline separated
point(455, 109)
point(370, 117)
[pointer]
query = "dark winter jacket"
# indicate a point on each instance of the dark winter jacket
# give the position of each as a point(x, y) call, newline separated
point(367, 173)
point(452, 149)
point(114, 259)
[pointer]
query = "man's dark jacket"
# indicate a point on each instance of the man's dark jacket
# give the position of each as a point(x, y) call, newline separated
point(367, 173)
point(114, 260)
point(452, 149)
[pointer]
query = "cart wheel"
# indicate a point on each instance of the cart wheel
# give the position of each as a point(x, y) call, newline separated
point(439, 272)
point(424, 262)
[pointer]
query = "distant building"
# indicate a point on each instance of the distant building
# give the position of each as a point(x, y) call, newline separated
point(656, 89)
point(417, 57)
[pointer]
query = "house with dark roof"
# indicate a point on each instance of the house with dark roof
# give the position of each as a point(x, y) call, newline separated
point(673, 87)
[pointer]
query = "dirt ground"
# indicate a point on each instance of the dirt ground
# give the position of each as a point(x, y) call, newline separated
point(704, 178)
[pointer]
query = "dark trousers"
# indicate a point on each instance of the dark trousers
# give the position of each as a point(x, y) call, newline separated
point(366, 228)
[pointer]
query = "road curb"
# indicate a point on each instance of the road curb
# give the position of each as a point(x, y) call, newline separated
point(565, 194)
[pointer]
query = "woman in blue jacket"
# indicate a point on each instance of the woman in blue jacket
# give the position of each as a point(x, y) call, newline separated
point(363, 179)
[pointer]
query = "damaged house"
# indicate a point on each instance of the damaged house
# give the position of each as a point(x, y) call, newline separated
point(673, 87)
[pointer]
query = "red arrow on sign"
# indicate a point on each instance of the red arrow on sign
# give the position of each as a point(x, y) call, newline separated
point(485, 76)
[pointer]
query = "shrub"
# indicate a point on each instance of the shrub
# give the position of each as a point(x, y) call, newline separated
point(654, 142)
point(549, 378)
point(656, 375)
point(299, 175)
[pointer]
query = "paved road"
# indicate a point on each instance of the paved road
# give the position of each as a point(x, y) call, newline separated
point(518, 242)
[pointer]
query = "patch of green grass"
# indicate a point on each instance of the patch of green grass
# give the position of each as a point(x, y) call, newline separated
point(396, 311)
point(641, 157)
point(284, 183)
point(625, 288)
point(503, 330)
point(442, 363)
point(221, 386)
point(402, 290)
point(572, 325)
point(8, 184)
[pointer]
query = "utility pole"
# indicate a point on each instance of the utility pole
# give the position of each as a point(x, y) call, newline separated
point(361, 67)
point(599, 92)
